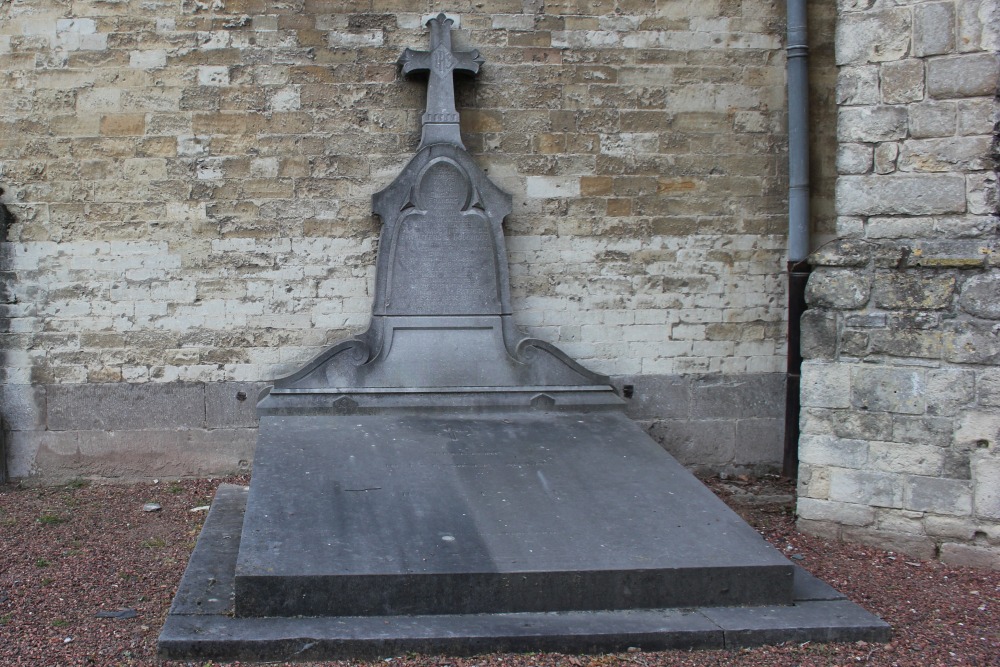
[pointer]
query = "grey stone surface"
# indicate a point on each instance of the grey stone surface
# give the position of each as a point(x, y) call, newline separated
point(232, 404)
point(663, 396)
point(898, 194)
point(201, 623)
point(886, 155)
point(862, 487)
point(823, 621)
point(131, 454)
point(933, 28)
point(888, 389)
point(871, 123)
point(979, 296)
point(854, 158)
point(858, 85)
point(843, 252)
point(749, 396)
point(914, 290)
point(706, 442)
point(966, 75)
point(818, 335)
point(938, 495)
point(22, 406)
point(873, 36)
point(759, 442)
point(932, 119)
point(902, 81)
point(208, 586)
point(838, 288)
point(971, 342)
point(125, 406)
point(949, 154)
point(445, 514)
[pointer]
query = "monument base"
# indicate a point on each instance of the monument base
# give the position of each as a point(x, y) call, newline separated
point(374, 535)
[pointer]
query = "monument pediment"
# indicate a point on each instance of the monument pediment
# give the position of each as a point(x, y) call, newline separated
point(441, 315)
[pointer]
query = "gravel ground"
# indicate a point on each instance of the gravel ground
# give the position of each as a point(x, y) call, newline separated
point(70, 552)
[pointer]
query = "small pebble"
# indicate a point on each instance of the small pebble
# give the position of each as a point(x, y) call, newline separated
point(798, 557)
point(200, 508)
point(152, 507)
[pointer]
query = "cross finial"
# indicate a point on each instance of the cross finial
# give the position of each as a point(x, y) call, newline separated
point(440, 121)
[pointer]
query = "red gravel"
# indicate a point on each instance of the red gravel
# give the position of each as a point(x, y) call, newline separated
point(68, 552)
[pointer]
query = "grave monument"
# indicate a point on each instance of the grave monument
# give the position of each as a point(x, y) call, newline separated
point(441, 483)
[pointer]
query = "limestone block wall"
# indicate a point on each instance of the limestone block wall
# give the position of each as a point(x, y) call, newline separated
point(190, 184)
point(901, 387)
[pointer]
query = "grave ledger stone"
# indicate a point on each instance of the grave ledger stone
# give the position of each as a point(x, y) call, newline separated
point(441, 483)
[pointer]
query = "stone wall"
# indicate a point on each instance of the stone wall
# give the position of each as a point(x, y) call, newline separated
point(191, 188)
point(901, 387)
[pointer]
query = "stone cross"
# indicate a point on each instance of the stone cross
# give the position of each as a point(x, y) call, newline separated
point(440, 121)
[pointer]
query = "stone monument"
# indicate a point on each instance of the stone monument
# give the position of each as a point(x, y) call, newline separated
point(441, 483)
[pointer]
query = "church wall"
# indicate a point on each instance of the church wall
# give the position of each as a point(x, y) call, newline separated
point(900, 441)
point(190, 184)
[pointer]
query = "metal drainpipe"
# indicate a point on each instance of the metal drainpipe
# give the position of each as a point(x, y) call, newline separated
point(798, 218)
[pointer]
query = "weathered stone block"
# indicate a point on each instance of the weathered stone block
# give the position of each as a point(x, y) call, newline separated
point(707, 443)
point(946, 154)
point(902, 81)
point(838, 288)
point(759, 442)
point(871, 124)
point(848, 514)
point(741, 397)
point(888, 389)
point(971, 555)
point(877, 489)
point(849, 424)
point(899, 521)
point(899, 194)
point(112, 407)
point(959, 528)
point(873, 36)
point(231, 404)
point(967, 75)
point(933, 28)
point(857, 85)
point(938, 495)
point(854, 343)
point(908, 459)
point(932, 119)
point(825, 385)
point(980, 296)
point(913, 290)
point(918, 546)
point(125, 454)
point(949, 390)
point(818, 339)
point(988, 387)
point(832, 451)
point(971, 343)
point(854, 158)
point(983, 193)
point(977, 430)
point(659, 396)
point(906, 343)
point(22, 407)
point(885, 157)
point(843, 252)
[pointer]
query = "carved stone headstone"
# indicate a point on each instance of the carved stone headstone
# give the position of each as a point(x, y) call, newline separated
point(442, 483)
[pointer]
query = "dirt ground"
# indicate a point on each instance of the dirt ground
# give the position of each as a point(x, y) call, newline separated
point(69, 553)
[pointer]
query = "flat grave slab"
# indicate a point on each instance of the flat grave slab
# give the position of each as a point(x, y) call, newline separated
point(201, 622)
point(414, 514)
